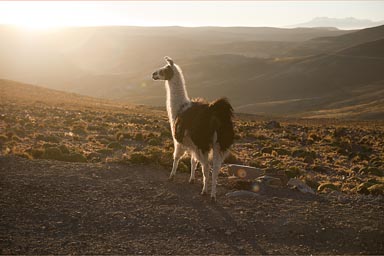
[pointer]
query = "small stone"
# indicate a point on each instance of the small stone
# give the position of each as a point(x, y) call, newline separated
point(270, 181)
point(300, 185)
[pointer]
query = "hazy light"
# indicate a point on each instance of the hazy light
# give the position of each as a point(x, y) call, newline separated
point(49, 14)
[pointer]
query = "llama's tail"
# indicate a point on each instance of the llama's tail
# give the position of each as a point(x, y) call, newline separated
point(223, 125)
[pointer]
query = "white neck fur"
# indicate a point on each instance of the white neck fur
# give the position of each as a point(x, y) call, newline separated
point(177, 95)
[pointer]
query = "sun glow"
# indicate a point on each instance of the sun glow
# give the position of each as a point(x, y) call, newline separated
point(35, 26)
point(42, 15)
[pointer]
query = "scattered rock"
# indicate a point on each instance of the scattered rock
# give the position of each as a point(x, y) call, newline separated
point(270, 181)
point(244, 172)
point(300, 185)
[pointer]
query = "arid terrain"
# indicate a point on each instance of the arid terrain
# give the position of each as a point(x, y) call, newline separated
point(80, 175)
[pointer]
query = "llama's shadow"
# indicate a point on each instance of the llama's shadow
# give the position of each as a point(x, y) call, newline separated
point(216, 218)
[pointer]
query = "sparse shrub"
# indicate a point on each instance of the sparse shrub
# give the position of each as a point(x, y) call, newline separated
point(256, 163)
point(79, 129)
point(24, 155)
point(301, 153)
point(377, 189)
point(122, 135)
point(272, 125)
point(165, 133)
point(322, 169)
point(53, 153)
point(329, 185)
point(311, 181)
point(115, 145)
point(48, 138)
point(138, 158)
point(283, 151)
point(105, 151)
point(154, 141)
point(3, 138)
point(183, 167)
point(363, 188)
point(293, 172)
point(74, 157)
point(232, 158)
point(314, 137)
point(340, 132)
point(371, 170)
point(94, 157)
point(64, 149)
point(19, 132)
point(139, 136)
point(308, 160)
point(104, 141)
point(16, 138)
point(266, 150)
point(36, 152)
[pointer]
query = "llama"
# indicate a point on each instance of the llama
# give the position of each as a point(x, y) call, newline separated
point(198, 128)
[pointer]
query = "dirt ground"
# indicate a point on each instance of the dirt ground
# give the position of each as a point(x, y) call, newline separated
point(52, 207)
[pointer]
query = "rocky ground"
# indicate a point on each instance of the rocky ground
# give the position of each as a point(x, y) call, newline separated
point(56, 207)
point(83, 176)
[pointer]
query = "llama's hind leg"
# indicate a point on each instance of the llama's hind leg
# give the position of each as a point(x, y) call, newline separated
point(194, 163)
point(217, 161)
point(205, 169)
point(177, 154)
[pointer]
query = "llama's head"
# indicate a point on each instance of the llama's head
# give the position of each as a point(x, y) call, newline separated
point(166, 72)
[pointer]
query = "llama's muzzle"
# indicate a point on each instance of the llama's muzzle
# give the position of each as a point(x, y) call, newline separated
point(155, 76)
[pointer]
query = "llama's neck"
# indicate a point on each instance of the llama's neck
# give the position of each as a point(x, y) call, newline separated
point(177, 95)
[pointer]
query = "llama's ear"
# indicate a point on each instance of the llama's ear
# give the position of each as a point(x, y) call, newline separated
point(169, 60)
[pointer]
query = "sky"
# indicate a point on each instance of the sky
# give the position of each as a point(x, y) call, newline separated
point(46, 14)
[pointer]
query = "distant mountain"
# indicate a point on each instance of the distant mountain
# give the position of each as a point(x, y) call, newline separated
point(337, 43)
point(340, 23)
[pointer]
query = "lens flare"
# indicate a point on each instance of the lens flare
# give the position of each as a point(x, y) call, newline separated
point(241, 173)
point(256, 188)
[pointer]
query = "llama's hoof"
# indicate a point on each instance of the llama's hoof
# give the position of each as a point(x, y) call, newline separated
point(171, 178)
point(213, 199)
point(191, 181)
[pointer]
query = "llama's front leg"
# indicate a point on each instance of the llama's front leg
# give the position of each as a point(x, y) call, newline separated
point(217, 161)
point(177, 153)
point(205, 169)
point(193, 169)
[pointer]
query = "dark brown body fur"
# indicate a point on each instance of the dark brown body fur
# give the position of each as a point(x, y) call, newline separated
point(201, 120)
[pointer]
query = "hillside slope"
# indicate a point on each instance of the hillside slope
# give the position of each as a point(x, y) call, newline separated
point(262, 70)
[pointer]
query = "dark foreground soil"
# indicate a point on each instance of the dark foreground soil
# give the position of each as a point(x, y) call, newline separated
point(51, 207)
